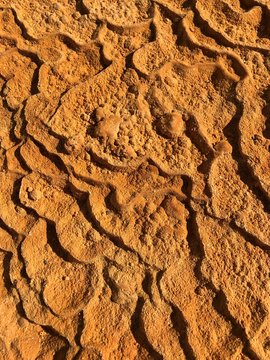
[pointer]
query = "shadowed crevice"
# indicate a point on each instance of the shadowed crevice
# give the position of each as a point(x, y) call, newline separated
point(80, 329)
point(181, 326)
point(139, 333)
point(245, 172)
point(22, 27)
point(57, 248)
point(81, 8)
point(253, 240)
point(220, 304)
point(6, 271)
point(61, 354)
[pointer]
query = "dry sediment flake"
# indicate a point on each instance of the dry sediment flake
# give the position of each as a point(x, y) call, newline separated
point(134, 175)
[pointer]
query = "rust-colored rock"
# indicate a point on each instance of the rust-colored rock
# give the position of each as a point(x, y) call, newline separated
point(134, 179)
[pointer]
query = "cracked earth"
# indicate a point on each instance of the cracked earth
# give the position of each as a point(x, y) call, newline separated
point(135, 179)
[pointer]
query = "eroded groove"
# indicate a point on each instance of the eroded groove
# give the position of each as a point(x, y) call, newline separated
point(69, 42)
point(186, 41)
point(197, 249)
point(194, 133)
point(23, 131)
point(22, 27)
point(81, 8)
point(42, 301)
point(253, 240)
point(232, 133)
point(23, 271)
point(3, 98)
point(6, 270)
point(80, 329)
point(247, 5)
point(21, 160)
point(78, 355)
point(12, 232)
point(57, 248)
point(138, 331)
point(12, 135)
point(86, 210)
point(55, 159)
point(116, 240)
point(15, 197)
point(36, 60)
point(101, 163)
point(110, 282)
point(61, 353)
point(167, 12)
point(220, 304)
point(147, 284)
point(266, 112)
point(218, 37)
point(181, 326)
point(206, 29)
point(264, 28)
point(20, 308)
point(193, 237)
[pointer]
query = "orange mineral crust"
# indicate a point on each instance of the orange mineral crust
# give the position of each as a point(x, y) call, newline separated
point(135, 180)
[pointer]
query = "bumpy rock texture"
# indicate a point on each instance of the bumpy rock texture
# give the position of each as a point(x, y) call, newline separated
point(135, 179)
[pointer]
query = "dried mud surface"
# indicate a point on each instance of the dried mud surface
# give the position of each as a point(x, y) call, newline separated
point(135, 179)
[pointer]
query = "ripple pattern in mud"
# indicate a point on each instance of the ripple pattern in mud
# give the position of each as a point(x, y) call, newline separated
point(134, 179)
